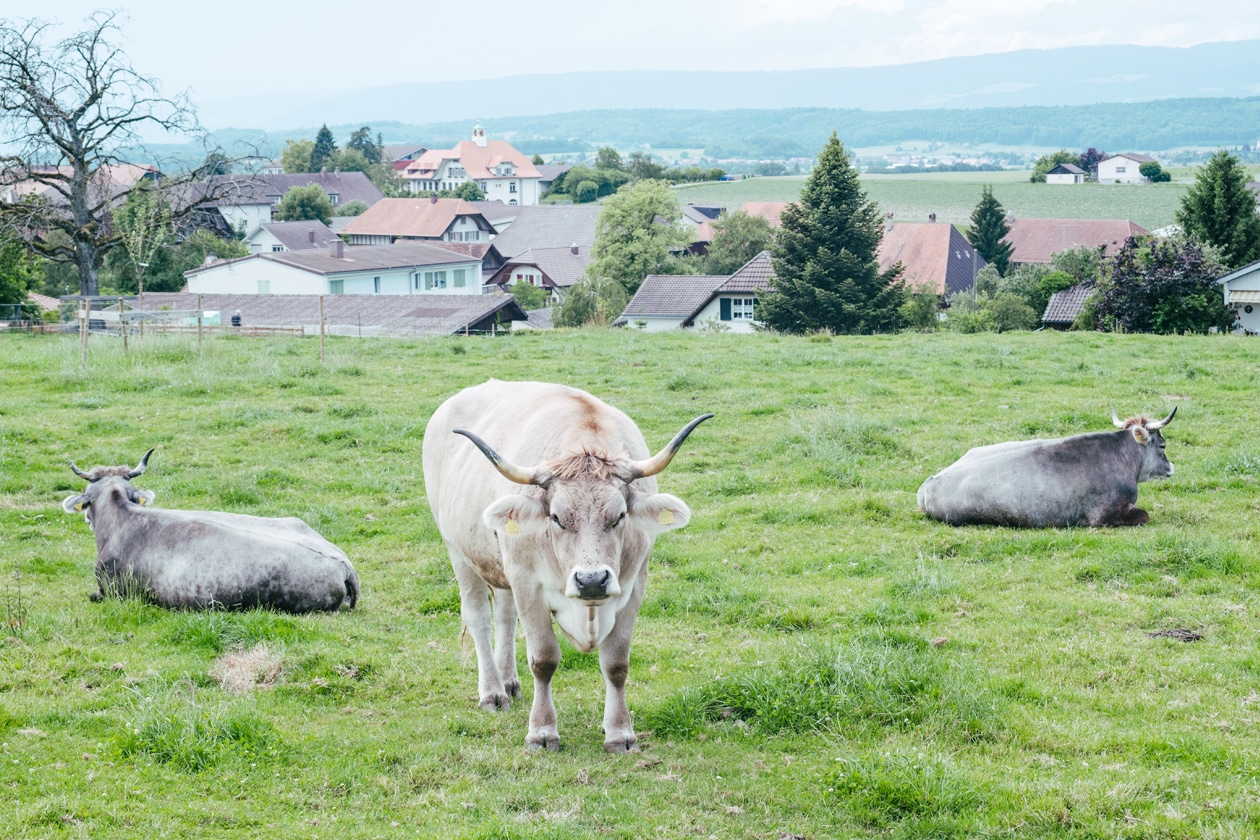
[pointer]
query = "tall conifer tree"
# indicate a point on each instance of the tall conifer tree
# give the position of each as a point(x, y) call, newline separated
point(1219, 210)
point(988, 231)
point(826, 272)
point(324, 149)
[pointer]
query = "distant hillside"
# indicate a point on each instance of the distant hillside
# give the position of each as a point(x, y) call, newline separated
point(1066, 76)
point(800, 132)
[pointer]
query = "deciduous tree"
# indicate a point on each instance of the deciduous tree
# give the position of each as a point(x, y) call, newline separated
point(988, 231)
point(1047, 162)
point(305, 203)
point(295, 157)
point(608, 158)
point(737, 238)
point(826, 270)
point(68, 110)
point(144, 223)
point(1153, 172)
point(1219, 210)
point(1162, 286)
point(469, 191)
point(635, 234)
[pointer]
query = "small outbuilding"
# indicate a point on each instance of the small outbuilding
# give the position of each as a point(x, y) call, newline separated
point(1241, 288)
point(1064, 306)
point(1066, 173)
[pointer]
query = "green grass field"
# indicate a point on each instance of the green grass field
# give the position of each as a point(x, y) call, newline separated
point(953, 195)
point(814, 657)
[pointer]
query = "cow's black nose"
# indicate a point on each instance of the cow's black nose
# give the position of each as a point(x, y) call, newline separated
point(592, 584)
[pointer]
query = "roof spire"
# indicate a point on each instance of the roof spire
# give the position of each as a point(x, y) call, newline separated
point(479, 135)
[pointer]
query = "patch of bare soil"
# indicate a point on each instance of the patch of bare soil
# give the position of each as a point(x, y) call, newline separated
point(243, 671)
point(1179, 633)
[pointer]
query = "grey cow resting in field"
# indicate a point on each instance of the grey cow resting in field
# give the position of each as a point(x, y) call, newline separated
point(1090, 479)
point(184, 559)
point(563, 531)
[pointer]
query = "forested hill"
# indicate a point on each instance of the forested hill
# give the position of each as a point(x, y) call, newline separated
point(800, 132)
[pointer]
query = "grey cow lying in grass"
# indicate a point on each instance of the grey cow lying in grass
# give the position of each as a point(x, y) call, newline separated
point(203, 560)
point(1090, 479)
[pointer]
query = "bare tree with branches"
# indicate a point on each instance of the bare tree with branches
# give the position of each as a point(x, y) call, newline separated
point(70, 110)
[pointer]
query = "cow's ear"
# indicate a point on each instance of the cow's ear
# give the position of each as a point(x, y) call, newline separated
point(1140, 434)
point(144, 497)
point(515, 516)
point(74, 504)
point(659, 513)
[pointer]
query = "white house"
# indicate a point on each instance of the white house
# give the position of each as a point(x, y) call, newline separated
point(502, 173)
point(669, 302)
point(1066, 173)
point(393, 220)
point(1122, 169)
point(403, 269)
point(1241, 288)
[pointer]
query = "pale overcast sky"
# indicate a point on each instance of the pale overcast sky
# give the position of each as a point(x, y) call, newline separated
point(231, 48)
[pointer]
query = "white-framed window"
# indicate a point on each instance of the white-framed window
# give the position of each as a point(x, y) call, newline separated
point(434, 280)
point(336, 287)
point(275, 249)
point(458, 277)
point(335, 198)
point(1120, 169)
point(742, 309)
point(511, 186)
point(376, 285)
point(264, 287)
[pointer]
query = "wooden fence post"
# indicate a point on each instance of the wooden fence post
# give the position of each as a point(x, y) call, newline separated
point(321, 329)
point(199, 314)
point(84, 312)
point(122, 325)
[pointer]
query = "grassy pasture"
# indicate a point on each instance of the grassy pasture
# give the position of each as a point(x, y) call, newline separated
point(814, 658)
point(953, 195)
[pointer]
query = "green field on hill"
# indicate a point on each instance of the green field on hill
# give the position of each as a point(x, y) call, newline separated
point(814, 657)
point(953, 195)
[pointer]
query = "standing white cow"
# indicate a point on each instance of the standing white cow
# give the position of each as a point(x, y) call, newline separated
point(573, 544)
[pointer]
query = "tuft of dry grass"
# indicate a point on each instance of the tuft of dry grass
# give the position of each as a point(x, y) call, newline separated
point(241, 671)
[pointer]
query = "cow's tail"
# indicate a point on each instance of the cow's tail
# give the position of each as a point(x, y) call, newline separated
point(352, 590)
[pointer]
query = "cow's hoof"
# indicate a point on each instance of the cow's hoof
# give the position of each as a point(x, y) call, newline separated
point(495, 702)
point(513, 688)
point(629, 744)
point(96, 596)
point(548, 741)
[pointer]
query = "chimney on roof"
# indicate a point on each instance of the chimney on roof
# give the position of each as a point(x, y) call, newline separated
point(211, 259)
point(337, 248)
point(433, 199)
point(336, 171)
point(573, 249)
point(931, 217)
point(310, 235)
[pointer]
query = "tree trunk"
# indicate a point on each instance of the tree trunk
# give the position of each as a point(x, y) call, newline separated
point(89, 273)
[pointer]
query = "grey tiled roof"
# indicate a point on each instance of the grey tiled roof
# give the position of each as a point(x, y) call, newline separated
point(560, 265)
point(496, 212)
point(358, 258)
point(540, 318)
point(549, 226)
point(1064, 306)
point(673, 295)
point(259, 189)
point(549, 172)
point(296, 236)
point(400, 314)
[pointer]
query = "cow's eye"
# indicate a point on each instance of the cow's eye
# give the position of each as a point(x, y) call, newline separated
point(556, 520)
point(620, 519)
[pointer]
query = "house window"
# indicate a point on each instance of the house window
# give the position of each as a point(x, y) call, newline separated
point(336, 287)
point(434, 280)
point(275, 249)
point(264, 287)
point(1119, 169)
point(742, 309)
point(275, 200)
point(334, 198)
point(376, 285)
point(512, 187)
point(457, 277)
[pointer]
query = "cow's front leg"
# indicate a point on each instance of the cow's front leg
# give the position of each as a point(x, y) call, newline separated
point(614, 661)
point(505, 641)
point(543, 652)
point(474, 609)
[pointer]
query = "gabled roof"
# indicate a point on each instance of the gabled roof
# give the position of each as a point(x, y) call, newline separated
point(409, 314)
point(753, 276)
point(264, 189)
point(673, 295)
point(44, 302)
point(1233, 274)
point(355, 258)
point(476, 250)
point(296, 236)
point(1038, 240)
point(394, 152)
point(549, 172)
point(426, 218)
point(1066, 169)
point(478, 161)
point(704, 232)
point(560, 266)
point(934, 256)
point(549, 226)
point(1133, 157)
point(701, 213)
point(1064, 306)
point(768, 210)
point(497, 212)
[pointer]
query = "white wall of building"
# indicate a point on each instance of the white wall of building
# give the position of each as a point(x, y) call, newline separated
point(246, 217)
point(739, 321)
point(1065, 178)
point(1250, 321)
point(263, 242)
point(646, 324)
point(266, 277)
point(1119, 170)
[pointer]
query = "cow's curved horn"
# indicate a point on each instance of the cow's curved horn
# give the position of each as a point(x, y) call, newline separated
point(1162, 423)
point(657, 463)
point(81, 474)
point(1114, 419)
point(140, 467)
point(510, 471)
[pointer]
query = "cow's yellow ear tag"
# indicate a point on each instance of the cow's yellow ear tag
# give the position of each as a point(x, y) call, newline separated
point(142, 500)
point(666, 517)
point(79, 506)
point(512, 527)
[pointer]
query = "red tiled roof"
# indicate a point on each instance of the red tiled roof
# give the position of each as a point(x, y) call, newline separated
point(1038, 240)
point(768, 210)
point(478, 161)
point(412, 217)
point(935, 257)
